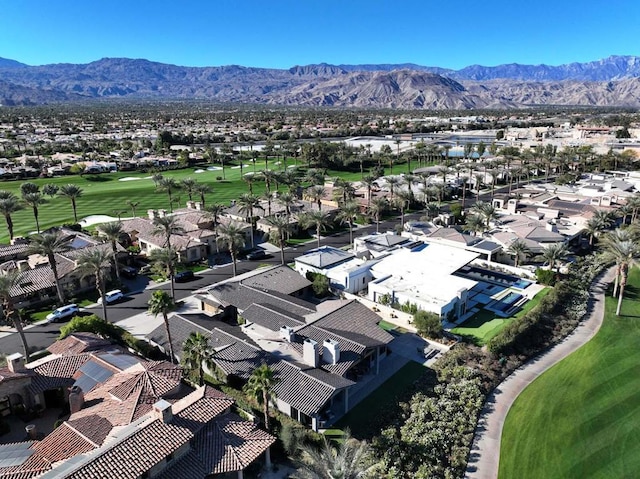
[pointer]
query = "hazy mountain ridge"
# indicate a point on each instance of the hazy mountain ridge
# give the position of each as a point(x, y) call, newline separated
point(396, 86)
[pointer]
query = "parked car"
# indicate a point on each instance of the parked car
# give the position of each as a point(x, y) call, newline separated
point(184, 276)
point(112, 296)
point(62, 313)
point(256, 254)
point(128, 272)
point(146, 269)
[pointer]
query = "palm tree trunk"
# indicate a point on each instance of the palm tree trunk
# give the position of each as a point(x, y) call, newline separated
point(75, 214)
point(233, 259)
point(9, 310)
point(56, 279)
point(350, 234)
point(623, 282)
point(115, 259)
point(265, 400)
point(173, 286)
point(102, 296)
point(282, 250)
point(168, 331)
point(35, 215)
point(617, 280)
point(318, 235)
point(9, 225)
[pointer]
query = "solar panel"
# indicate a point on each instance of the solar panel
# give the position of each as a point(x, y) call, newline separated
point(96, 371)
point(120, 361)
point(15, 454)
point(85, 383)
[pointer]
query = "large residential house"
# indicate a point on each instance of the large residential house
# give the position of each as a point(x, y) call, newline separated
point(129, 418)
point(319, 352)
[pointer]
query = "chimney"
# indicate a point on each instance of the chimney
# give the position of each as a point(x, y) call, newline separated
point(310, 352)
point(22, 265)
point(197, 205)
point(162, 410)
point(330, 351)
point(286, 333)
point(512, 206)
point(551, 227)
point(15, 362)
point(152, 214)
point(162, 213)
point(191, 205)
point(76, 399)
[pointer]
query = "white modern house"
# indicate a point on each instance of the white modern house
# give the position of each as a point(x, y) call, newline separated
point(424, 277)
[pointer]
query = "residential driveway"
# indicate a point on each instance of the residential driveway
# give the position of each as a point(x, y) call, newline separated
point(484, 457)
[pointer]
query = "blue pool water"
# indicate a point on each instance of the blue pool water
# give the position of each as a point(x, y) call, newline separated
point(521, 284)
point(508, 301)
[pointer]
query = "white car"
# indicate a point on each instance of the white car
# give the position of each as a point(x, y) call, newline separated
point(112, 296)
point(62, 313)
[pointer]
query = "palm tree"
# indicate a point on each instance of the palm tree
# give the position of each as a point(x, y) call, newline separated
point(269, 177)
point(392, 183)
point(197, 354)
point(369, 181)
point(8, 206)
point(50, 190)
point(519, 250)
point(203, 189)
point(349, 459)
point(478, 179)
point(268, 197)
point(378, 207)
point(7, 283)
point(431, 210)
point(609, 243)
point(554, 253)
point(280, 225)
point(249, 178)
point(486, 211)
point(261, 384)
point(317, 193)
point(113, 231)
point(156, 178)
point(600, 221)
point(317, 219)
point(34, 200)
point(190, 186)
point(133, 205)
point(169, 185)
point(213, 213)
point(474, 224)
point(347, 214)
point(72, 192)
point(50, 244)
point(161, 303)
point(494, 178)
point(94, 261)
point(403, 200)
point(232, 237)
point(167, 226)
point(246, 204)
point(625, 253)
point(167, 260)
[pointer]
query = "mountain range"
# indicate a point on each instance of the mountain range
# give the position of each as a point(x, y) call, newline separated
point(613, 81)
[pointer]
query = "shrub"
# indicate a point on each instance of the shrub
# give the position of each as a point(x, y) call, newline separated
point(545, 276)
point(428, 324)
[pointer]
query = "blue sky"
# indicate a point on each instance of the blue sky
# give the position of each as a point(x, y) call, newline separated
point(280, 34)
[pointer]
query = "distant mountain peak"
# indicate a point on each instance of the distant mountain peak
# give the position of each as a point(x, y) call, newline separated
point(8, 63)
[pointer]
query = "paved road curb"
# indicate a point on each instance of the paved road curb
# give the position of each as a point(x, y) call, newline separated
point(484, 457)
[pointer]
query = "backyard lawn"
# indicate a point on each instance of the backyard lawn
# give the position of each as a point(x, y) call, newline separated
point(485, 324)
point(580, 418)
point(367, 417)
point(107, 194)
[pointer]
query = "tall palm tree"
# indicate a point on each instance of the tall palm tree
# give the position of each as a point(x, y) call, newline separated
point(478, 179)
point(270, 177)
point(203, 189)
point(170, 186)
point(232, 237)
point(167, 226)
point(393, 182)
point(625, 253)
point(349, 459)
point(161, 303)
point(212, 213)
point(73, 192)
point(8, 206)
point(93, 262)
point(474, 224)
point(519, 250)
point(377, 208)
point(609, 243)
point(247, 203)
point(486, 211)
point(190, 186)
point(403, 200)
point(317, 193)
point(34, 200)
point(113, 231)
point(261, 384)
point(250, 178)
point(554, 253)
point(431, 210)
point(368, 181)
point(50, 244)
point(7, 283)
point(197, 354)
point(348, 214)
point(280, 225)
point(133, 205)
point(167, 260)
point(600, 221)
point(317, 219)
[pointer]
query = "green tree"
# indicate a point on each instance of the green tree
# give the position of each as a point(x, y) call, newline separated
point(212, 213)
point(113, 231)
point(161, 303)
point(190, 186)
point(167, 226)
point(486, 211)
point(197, 354)
point(49, 245)
point(167, 260)
point(377, 209)
point(348, 214)
point(73, 192)
point(203, 189)
point(317, 193)
point(133, 205)
point(170, 186)
point(8, 206)
point(93, 262)
point(261, 385)
point(555, 253)
point(232, 237)
point(50, 190)
point(247, 203)
point(318, 219)
point(8, 282)
point(519, 250)
point(428, 324)
point(278, 233)
point(34, 200)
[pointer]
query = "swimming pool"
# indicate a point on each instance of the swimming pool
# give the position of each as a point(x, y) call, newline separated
point(521, 284)
point(508, 301)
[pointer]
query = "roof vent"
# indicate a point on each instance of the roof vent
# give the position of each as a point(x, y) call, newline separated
point(162, 410)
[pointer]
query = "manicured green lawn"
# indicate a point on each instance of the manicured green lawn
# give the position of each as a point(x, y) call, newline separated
point(485, 324)
point(581, 418)
point(365, 419)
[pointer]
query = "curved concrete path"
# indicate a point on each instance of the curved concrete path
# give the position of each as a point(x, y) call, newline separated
point(484, 457)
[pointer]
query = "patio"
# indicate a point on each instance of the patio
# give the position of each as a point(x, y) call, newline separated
point(43, 426)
